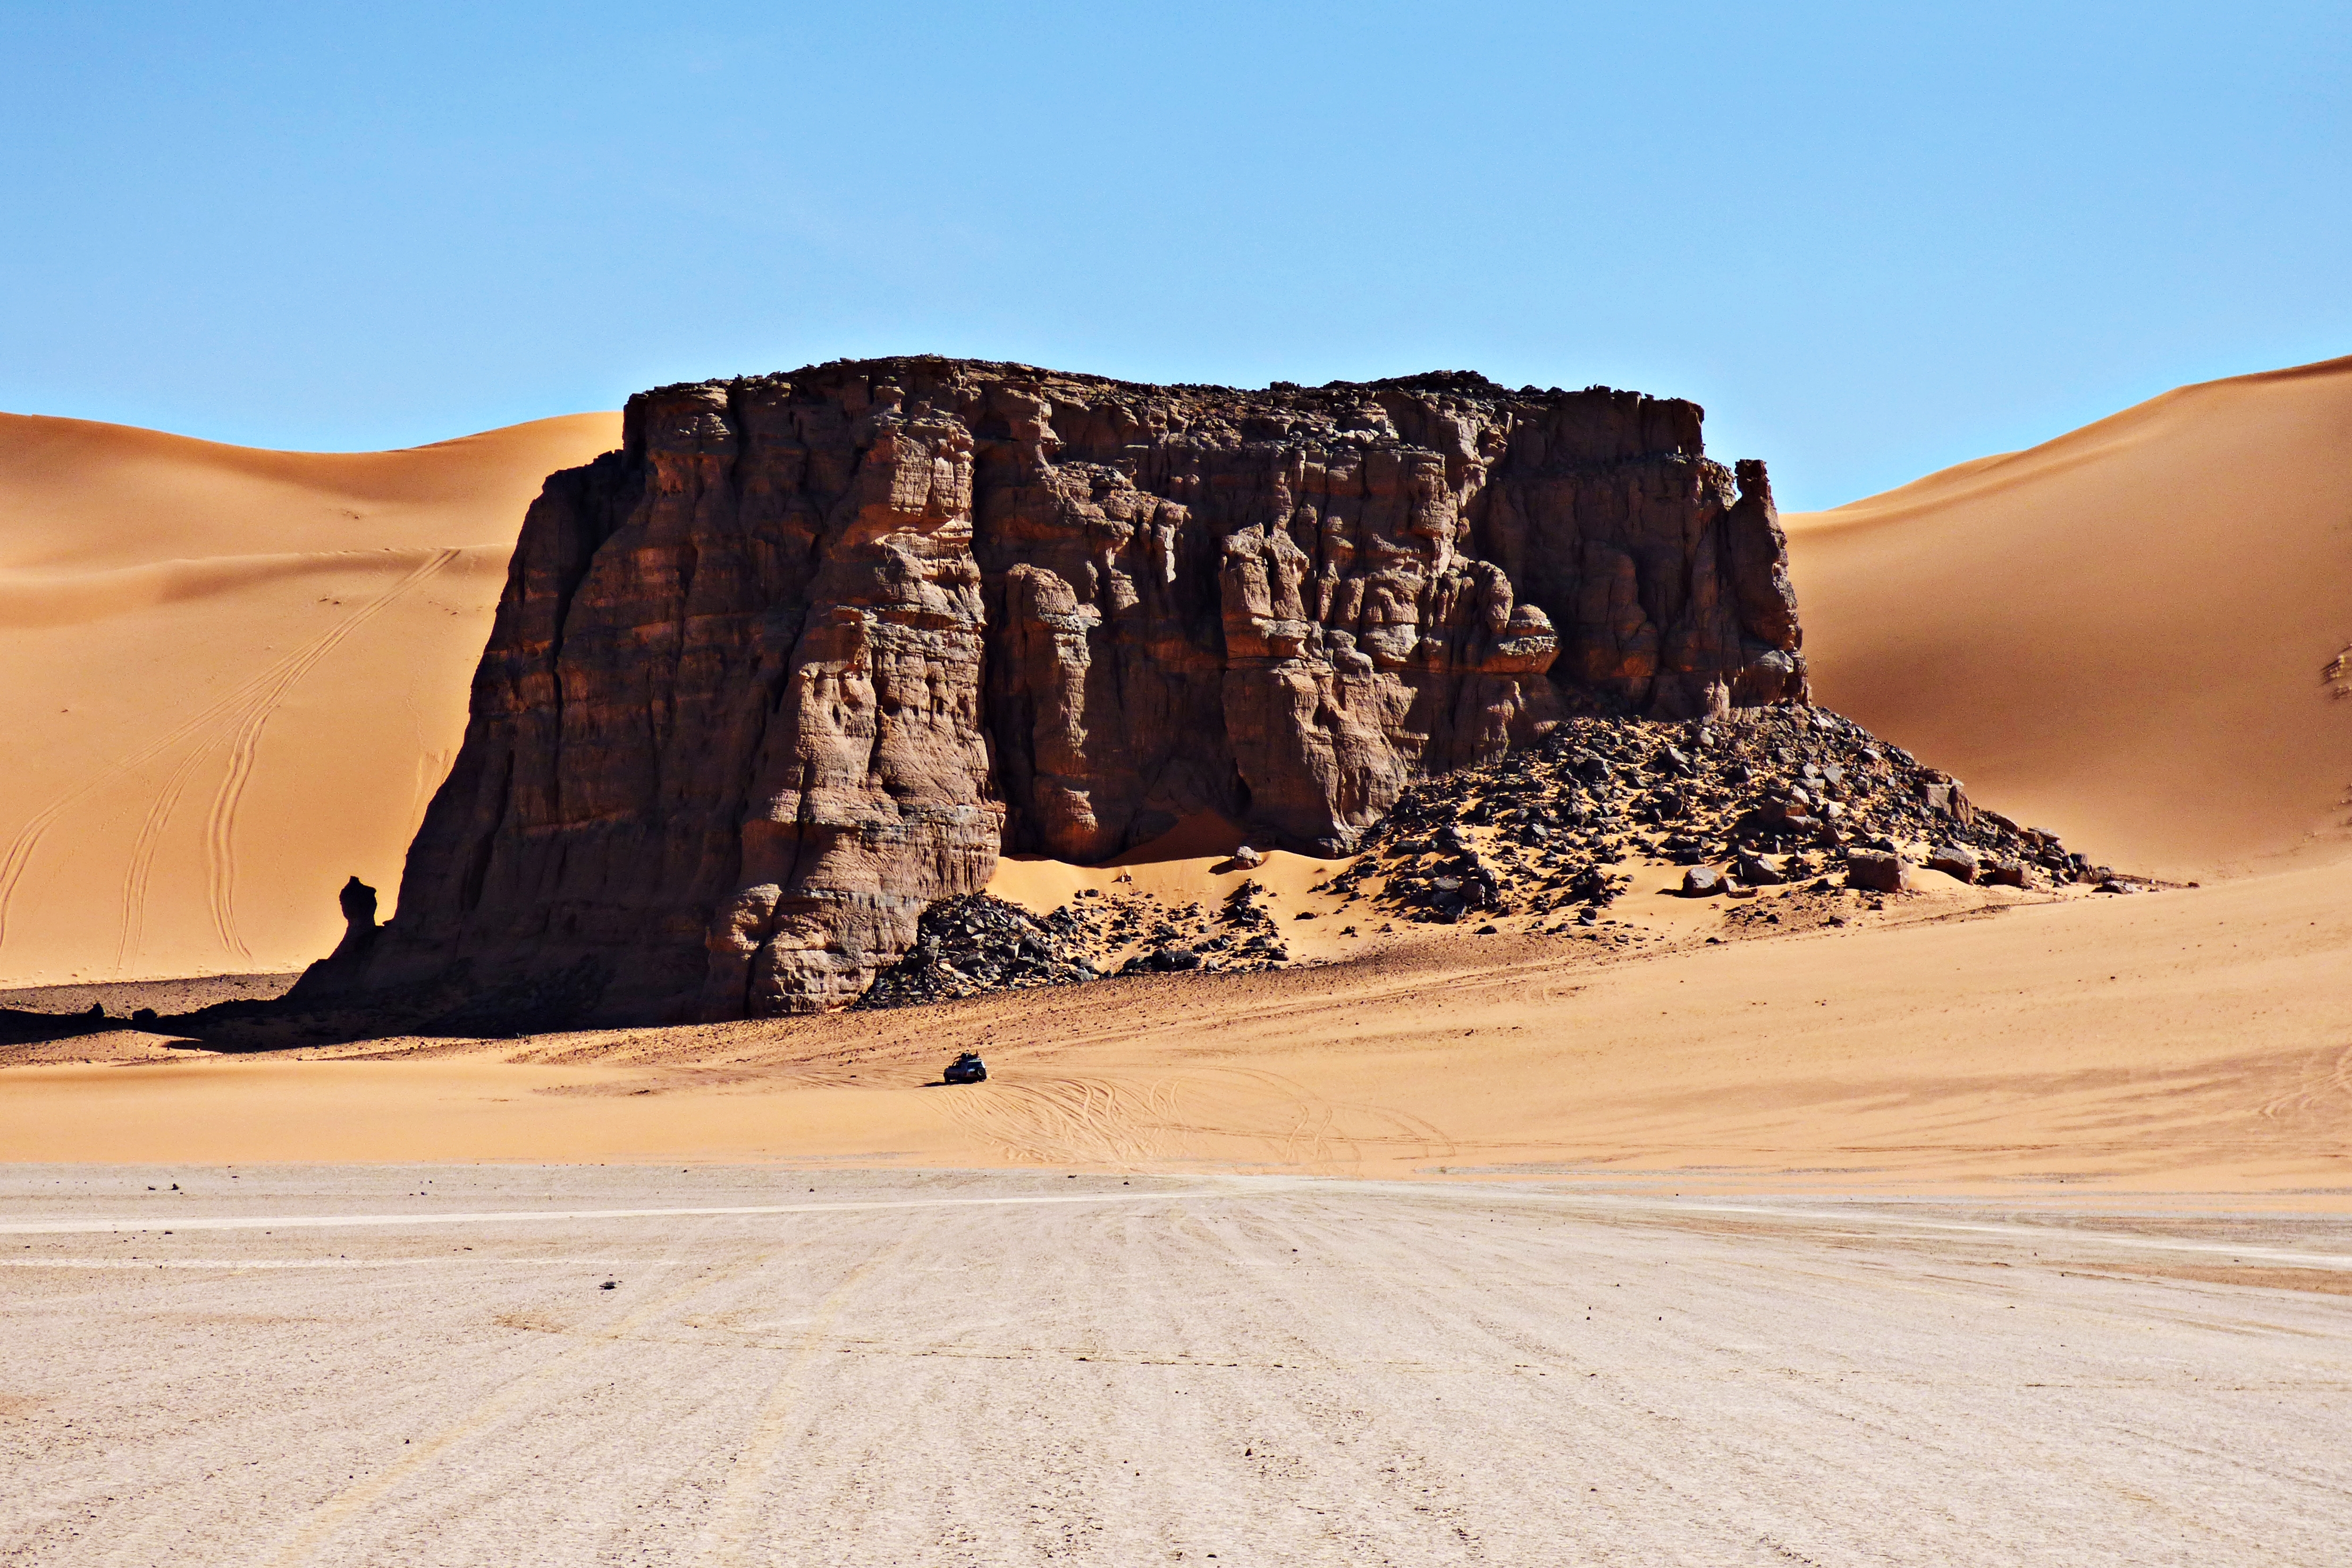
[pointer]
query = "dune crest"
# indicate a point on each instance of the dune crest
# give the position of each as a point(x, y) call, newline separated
point(67, 598)
point(2123, 635)
point(240, 674)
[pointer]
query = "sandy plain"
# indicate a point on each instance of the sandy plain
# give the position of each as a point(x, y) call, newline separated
point(354, 1365)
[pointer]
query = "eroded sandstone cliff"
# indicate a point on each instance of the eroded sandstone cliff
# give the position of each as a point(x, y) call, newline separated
point(810, 650)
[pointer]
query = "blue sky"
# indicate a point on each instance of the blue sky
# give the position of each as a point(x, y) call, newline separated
point(1871, 240)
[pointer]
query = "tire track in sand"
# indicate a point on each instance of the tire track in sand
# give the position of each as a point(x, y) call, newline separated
point(1099, 1121)
point(735, 1514)
point(220, 827)
point(242, 710)
point(330, 1517)
point(143, 860)
point(1065, 1121)
point(28, 837)
point(2332, 1081)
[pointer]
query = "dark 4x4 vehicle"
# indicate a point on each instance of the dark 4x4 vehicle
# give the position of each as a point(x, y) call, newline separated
point(966, 1069)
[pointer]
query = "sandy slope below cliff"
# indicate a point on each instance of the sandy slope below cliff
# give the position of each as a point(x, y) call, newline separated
point(2180, 1043)
point(2125, 634)
point(234, 677)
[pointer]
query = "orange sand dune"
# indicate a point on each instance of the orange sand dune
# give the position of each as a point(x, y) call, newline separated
point(2126, 634)
point(235, 676)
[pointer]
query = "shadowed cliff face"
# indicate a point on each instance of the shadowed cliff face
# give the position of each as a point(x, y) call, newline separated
point(806, 653)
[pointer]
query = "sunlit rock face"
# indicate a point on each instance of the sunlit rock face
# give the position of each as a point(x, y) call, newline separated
point(811, 649)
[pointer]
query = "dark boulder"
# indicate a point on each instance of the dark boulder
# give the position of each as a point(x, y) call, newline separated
point(1161, 960)
point(1955, 860)
point(2006, 873)
point(1877, 871)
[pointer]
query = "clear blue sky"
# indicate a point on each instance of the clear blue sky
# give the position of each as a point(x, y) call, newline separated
point(1871, 240)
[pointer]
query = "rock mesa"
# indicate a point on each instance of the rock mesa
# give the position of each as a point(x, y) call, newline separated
point(811, 649)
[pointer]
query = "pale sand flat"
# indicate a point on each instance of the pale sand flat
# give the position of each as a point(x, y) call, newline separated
point(1258, 1371)
point(2104, 1323)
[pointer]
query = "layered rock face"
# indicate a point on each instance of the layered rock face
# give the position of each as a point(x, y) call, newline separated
point(805, 654)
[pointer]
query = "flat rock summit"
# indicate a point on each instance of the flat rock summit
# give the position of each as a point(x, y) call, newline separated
point(811, 651)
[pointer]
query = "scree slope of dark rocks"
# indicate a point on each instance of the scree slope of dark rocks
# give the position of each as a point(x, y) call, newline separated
point(1763, 798)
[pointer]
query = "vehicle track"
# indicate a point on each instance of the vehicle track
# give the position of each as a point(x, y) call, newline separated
point(1077, 1120)
point(736, 1514)
point(241, 714)
point(951, 1369)
point(136, 874)
point(2332, 1080)
point(21, 848)
point(1098, 1121)
point(316, 1528)
point(220, 827)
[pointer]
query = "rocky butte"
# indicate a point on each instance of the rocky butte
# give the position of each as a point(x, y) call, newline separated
point(811, 651)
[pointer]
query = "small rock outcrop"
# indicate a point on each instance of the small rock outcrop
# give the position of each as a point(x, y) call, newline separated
point(976, 944)
point(799, 660)
point(346, 968)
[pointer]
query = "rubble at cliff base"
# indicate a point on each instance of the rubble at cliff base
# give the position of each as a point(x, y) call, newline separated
point(1547, 839)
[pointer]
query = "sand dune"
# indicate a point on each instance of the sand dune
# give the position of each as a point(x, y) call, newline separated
point(2126, 634)
point(235, 679)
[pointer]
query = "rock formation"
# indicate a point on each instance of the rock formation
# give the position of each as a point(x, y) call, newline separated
point(805, 654)
point(1765, 798)
point(348, 964)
